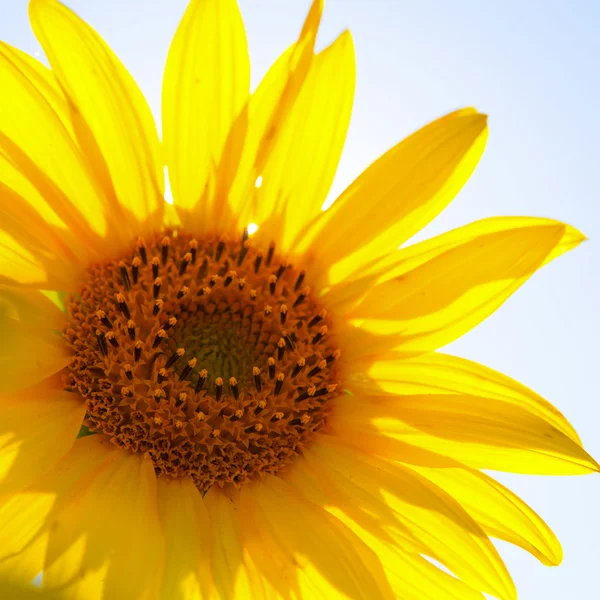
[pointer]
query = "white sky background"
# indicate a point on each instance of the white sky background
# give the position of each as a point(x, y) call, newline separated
point(532, 66)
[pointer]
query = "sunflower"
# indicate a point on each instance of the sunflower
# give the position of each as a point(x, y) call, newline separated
point(239, 395)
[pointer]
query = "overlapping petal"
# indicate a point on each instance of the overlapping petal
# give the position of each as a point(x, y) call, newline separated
point(398, 194)
point(122, 136)
point(269, 108)
point(302, 162)
point(31, 349)
point(480, 432)
point(37, 427)
point(104, 535)
point(335, 559)
point(43, 165)
point(409, 512)
point(439, 300)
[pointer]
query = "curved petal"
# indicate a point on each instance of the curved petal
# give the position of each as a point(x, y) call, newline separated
point(268, 110)
point(106, 96)
point(436, 373)
point(498, 511)
point(37, 427)
point(407, 505)
point(335, 555)
point(206, 85)
point(44, 164)
point(443, 298)
point(30, 348)
point(401, 261)
point(398, 194)
point(480, 432)
point(104, 536)
point(186, 525)
point(303, 160)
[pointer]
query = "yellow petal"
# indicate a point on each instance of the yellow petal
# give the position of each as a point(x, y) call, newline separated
point(433, 518)
point(34, 251)
point(478, 431)
point(24, 515)
point(234, 574)
point(268, 110)
point(498, 511)
point(396, 263)
point(336, 554)
point(105, 539)
point(30, 347)
point(205, 86)
point(436, 373)
point(399, 193)
point(44, 164)
point(411, 576)
point(440, 300)
point(186, 525)
point(303, 160)
point(37, 427)
point(106, 96)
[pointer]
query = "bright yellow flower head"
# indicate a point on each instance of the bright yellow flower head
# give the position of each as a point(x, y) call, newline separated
point(269, 415)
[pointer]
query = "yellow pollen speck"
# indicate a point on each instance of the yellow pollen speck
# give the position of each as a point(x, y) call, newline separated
point(179, 424)
point(258, 427)
point(278, 415)
point(216, 432)
point(200, 416)
point(304, 419)
point(262, 403)
point(157, 420)
point(239, 413)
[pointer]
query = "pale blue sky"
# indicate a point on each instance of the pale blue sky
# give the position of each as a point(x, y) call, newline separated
point(532, 66)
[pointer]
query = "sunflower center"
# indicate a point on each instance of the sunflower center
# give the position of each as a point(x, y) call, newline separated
point(209, 356)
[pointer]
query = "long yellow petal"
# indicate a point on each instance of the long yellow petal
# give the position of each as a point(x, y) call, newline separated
point(498, 511)
point(37, 427)
point(268, 110)
point(480, 432)
point(206, 85)
point(440, 300)
point(105, 539)
point(423, 511)
point(30, 348)
point(186, 525)
point(35, 160)
point(436, 373)
point(106, 96)
point(303, 160)
point(336, 554)
point(399, 193)
point(401, 261)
